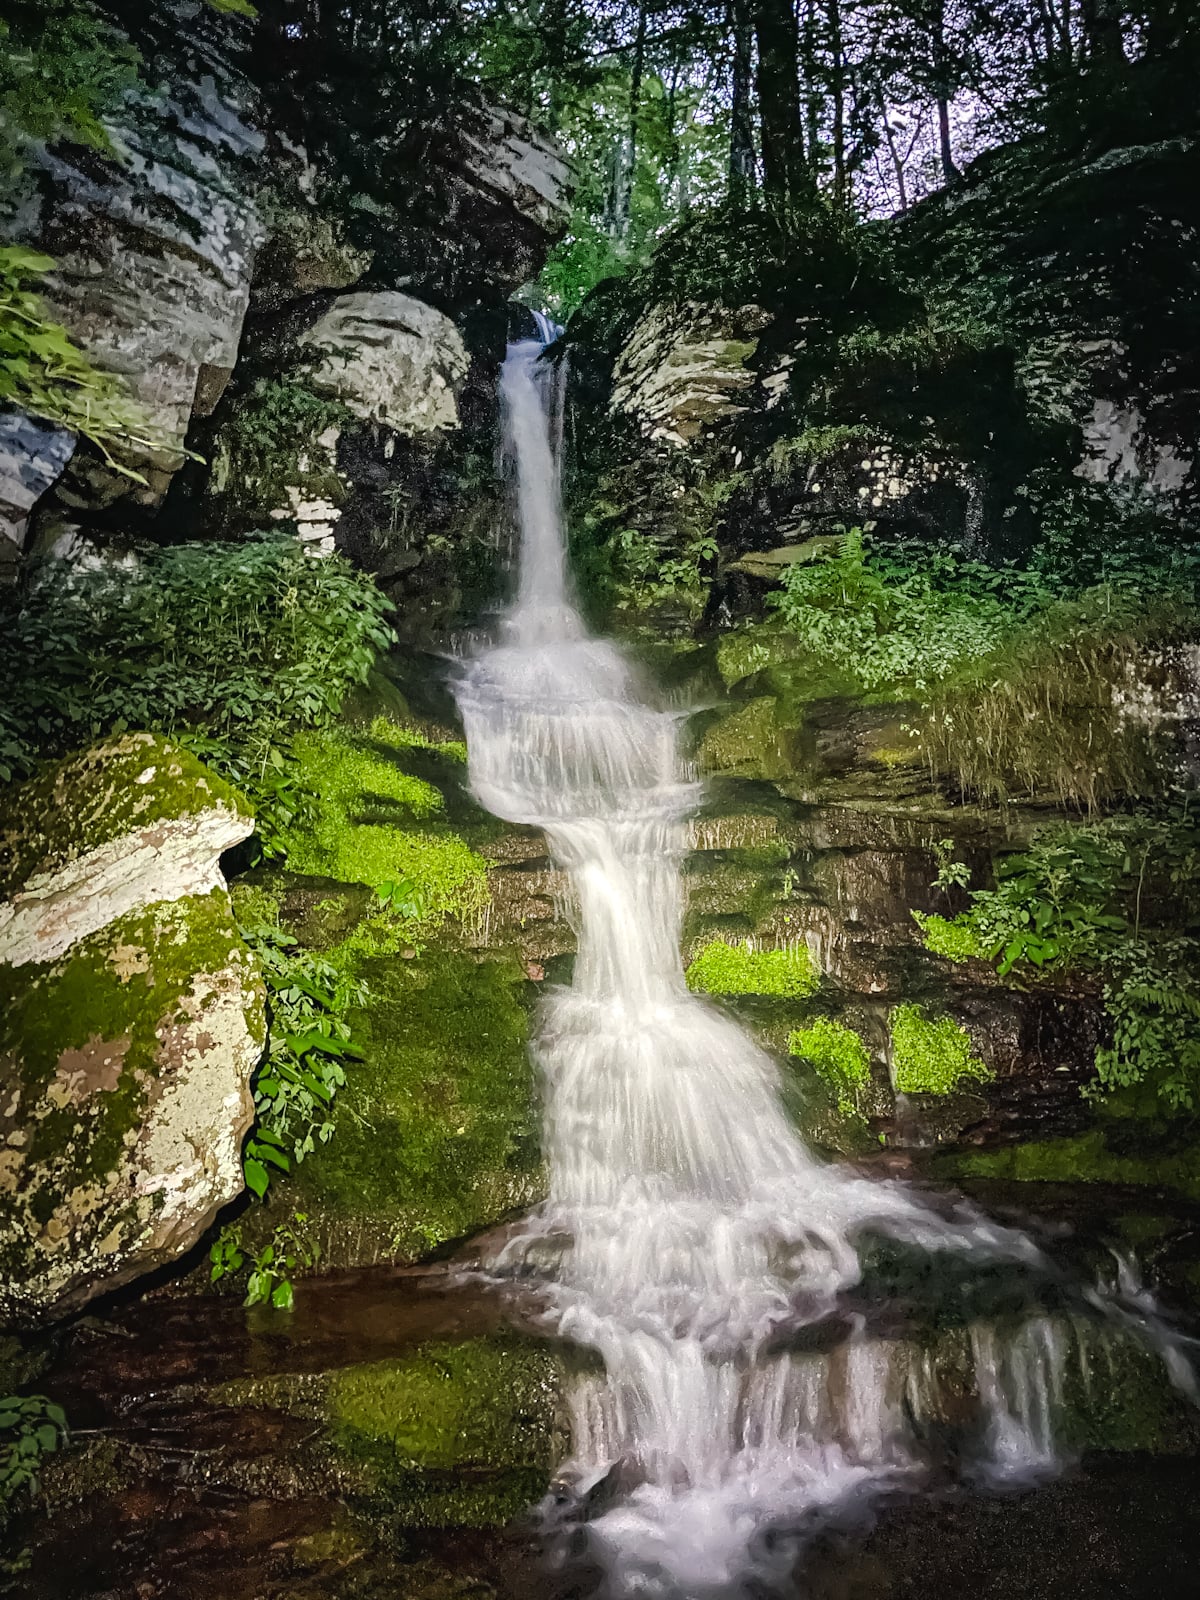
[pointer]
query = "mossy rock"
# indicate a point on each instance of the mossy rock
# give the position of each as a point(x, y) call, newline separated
point(377, 819)
point(451, 1436)
point(126, 1065)
point(437, 1129)
point(129, 784)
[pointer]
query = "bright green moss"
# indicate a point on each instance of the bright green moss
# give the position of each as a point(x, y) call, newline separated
point(403, 736)
point(744, 651)
point(437, 1127)
point(931, 1056)
point(956, 940)
point(722, 968)
point(361, 773)
point(837, 1054)
point(367, 816)
point(460, 1435)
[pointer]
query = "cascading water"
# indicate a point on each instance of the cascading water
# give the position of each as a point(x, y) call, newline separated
point(691, 1240)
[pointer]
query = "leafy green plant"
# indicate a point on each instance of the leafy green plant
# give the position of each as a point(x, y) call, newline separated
point(45, 373)
point(62, 67)
point(884, 621)
point(839, 1056)
point(309, 1042)
point(229, 647)
point(31, 1428)
point(931, 1055)
point(1118, 899)
point(290, 1249)
point(403, 896)
point(951, 873)
point(721, 968)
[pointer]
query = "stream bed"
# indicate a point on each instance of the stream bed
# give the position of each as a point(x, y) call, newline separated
point(396, 1435)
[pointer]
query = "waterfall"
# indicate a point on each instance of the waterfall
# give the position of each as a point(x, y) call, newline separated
point(691, 1240)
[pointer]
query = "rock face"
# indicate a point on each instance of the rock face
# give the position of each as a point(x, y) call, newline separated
point(132, 1021)
point(683, 369)
point(390, 359)
point(155, 249)
point(205, 216)
point(32, 456)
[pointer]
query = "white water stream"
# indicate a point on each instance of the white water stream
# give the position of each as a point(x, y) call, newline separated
point(690, 1235)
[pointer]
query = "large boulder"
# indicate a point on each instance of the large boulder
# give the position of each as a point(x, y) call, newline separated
point(390, 359)
point(155, 249)
point(683, 369)
point(131, 1020)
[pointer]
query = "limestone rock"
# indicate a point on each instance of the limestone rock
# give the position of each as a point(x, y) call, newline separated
point(682, 369)
point(32, 455)
point(131, 1019)
point(155, 251)
point(390, 358)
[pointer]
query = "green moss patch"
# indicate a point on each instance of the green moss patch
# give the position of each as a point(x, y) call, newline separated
point(1086, 1158)
point(955, 939)
point(374, 822)
point(931, 1055)
point(838, 1055)
point(437, 1128)
point(722, 968)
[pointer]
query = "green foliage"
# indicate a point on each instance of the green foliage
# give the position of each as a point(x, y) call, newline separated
point(951, 874)
point(954, 939)
point(273, 441)
point(31, 1428)
point(839, 1056)
point(1041, 712)
point(290, 1249)
point(931, 1055)
point(43, 372)
point(62, 67)
point(721, 968)
point(1120, 899)
point(309, 1043)
point(229, 648)
point(888, 622)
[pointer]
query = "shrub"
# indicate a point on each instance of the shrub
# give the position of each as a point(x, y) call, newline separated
point(887, 622)
point(231, 648)
point(837, 1054)
point(931, 1055)
point(722, 968)
point(1118, 899)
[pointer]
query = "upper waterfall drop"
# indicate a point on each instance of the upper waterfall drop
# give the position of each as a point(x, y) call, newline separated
point(691, 1239)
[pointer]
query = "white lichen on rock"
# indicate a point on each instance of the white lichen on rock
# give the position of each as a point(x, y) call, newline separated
point(131, 1022)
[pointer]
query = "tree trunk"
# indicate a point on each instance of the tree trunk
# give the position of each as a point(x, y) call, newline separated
point(897, 163)
point(813, 96)
point(837, 85)
point(941, 76)
point(786, 179)
point(741, 123)
point(627, 159)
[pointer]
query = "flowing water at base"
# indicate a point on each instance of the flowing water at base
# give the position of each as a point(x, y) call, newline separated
point(691, 1240)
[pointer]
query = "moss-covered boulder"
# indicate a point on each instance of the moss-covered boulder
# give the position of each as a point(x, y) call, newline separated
point(451, 1435)
point(131, 1018)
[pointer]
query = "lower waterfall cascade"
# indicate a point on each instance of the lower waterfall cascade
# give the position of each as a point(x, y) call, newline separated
point(740, 1383)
